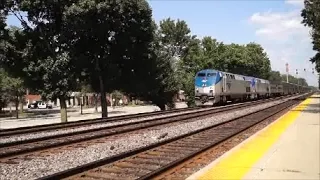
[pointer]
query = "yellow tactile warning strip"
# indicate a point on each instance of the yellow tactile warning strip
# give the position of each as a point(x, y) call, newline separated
point(239, 161)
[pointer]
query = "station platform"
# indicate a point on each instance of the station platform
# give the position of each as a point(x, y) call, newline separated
point(286, 149)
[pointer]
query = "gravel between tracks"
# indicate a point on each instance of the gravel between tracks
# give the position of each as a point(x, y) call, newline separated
point(27, 136)
point(39, 167)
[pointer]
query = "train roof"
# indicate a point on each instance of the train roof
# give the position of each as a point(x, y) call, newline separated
point(207, 70)
point(238, 76)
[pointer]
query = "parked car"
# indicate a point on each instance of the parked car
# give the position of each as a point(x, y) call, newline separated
point(39, 105)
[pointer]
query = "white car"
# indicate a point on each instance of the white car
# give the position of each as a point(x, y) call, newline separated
point(39, 105)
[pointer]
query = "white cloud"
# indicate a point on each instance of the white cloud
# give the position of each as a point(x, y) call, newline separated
point(277, 25)
point(295, 2)
point(285, 39)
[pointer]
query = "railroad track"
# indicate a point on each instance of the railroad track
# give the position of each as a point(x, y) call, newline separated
point(4, 133)
point(46, 127)
point(152, 160)
point(75, 124)
point(26, 149)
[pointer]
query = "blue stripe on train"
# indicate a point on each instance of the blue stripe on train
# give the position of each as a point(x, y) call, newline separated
point(207, 81)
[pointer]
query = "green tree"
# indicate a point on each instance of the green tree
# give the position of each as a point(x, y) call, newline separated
point(302, 82)
point(3, 35)
point(258, 63)
point(11, 49)
point(160, 80)
point(174, 36)
point(156, 80)
point(275, 76)
point(5, 98)
point(189, 88)
point(311, 18)
point(213, 52)
point(115, 40)
point(46, 63)
point(294, 80)
point(11, 90)
point(250, 60)
point(195, 59)
point(234, 58)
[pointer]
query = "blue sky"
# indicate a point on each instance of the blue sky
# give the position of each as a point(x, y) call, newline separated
point(224, 20)
point(275, 24)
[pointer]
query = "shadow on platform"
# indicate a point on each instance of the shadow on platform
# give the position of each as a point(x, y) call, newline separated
point(311, 108)
point(314, 97)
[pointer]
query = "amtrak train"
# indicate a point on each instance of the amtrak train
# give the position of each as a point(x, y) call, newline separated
point(217, 87)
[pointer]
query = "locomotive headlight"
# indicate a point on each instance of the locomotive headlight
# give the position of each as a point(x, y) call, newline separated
point(211, 87)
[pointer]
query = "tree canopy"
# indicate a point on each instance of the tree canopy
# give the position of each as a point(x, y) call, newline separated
point(45, 62)
point(115, 45)
point(11, 90)
point(115, 39)
point(159, 81)
point(311, 18)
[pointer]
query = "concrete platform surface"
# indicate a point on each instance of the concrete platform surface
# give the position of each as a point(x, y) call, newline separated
point(286, 149)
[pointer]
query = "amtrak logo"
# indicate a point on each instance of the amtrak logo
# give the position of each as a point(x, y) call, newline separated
point(253, 82)
point(229, 85)
point(204, 80)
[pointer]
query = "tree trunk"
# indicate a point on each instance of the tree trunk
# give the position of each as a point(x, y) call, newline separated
point(162, 106)
point(95, 102)
point(103, 99)
point(17, 107)
point(104, 107)
point(63, 109)
point(21, 105)
point(85, 101)
point(81, 104)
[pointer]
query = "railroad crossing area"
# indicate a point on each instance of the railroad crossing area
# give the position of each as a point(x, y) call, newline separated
point(286, 149)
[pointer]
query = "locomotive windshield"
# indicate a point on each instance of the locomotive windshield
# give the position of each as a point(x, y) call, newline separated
point(211, 74)
point(208, 74)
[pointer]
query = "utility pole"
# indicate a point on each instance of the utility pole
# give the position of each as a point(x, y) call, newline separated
point(297, 76)
point(287, 70)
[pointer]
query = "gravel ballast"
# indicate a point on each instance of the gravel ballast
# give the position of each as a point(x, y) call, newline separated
point(102, 124)
point(47, 165)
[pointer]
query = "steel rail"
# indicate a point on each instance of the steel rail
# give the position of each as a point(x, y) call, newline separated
point(27, 146)
point(45, 127)
point(92, 165)
point(63, 125)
